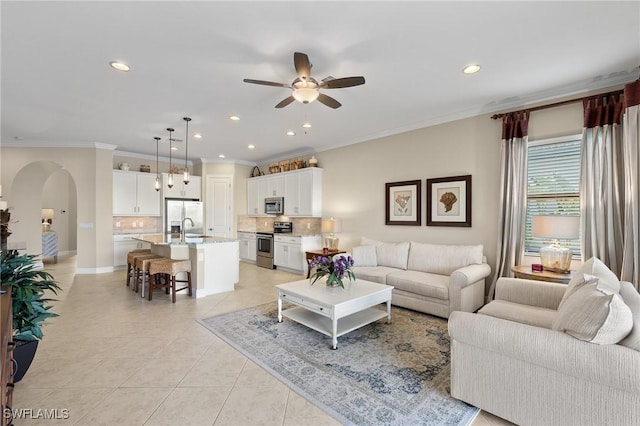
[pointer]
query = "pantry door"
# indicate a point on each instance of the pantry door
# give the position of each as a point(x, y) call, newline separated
point(218, 206)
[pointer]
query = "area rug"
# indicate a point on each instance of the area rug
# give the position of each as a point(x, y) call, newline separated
point(381, 374)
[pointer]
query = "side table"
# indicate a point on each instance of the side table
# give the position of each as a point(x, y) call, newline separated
point(553, 277)
point(313, 253)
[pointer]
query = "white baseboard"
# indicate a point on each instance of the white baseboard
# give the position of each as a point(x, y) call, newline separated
point(94, 271)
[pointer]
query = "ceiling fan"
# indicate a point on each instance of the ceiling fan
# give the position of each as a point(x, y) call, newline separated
point(306, 89)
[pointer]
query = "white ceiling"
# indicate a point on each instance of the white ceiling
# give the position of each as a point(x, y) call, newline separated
point(189, 59)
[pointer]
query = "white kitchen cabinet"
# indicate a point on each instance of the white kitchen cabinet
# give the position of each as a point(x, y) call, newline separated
point(301, 189)
point(192, 190)
point(289, 252)
point(303, 193)
point(134, 194)
point(247, 246)
point(122, 245)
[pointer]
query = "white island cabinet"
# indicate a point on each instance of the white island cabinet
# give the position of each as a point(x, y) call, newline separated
point(214, 261)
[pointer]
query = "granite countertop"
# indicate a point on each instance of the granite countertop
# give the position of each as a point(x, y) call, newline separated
point(160, 239)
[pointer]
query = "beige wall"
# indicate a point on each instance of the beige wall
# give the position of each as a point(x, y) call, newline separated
point(25, 172)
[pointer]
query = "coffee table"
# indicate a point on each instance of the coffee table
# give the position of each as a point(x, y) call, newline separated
point(334, 311)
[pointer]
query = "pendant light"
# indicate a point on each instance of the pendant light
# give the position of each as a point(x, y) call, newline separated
point(170, 178)
point(185, 177)
point(157, 168)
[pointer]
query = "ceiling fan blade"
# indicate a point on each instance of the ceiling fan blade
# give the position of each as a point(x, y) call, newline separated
point(302, 64)
point(283, 103)
point(266, 83)
point(328, 101)
point(338, 83)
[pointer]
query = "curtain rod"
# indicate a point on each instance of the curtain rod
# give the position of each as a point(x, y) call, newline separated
point(557, 104)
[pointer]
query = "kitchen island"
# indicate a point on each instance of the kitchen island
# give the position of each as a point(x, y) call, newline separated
point(214, 260)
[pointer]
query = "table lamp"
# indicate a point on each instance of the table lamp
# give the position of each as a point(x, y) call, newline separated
point(47, 219)
point(554, 257)
point(331, 226)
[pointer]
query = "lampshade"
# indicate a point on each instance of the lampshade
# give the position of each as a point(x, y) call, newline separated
point(331, 226)
point(48, 214)
point(556, 227)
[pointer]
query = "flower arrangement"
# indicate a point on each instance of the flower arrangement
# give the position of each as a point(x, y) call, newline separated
point(335, 270)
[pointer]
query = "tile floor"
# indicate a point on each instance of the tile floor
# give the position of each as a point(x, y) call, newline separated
point(112, 358)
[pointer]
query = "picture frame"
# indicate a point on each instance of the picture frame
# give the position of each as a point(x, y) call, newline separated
point(449, 201)
point(403, 203)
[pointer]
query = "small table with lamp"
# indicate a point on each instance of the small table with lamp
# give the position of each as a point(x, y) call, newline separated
point(313, 253)
point(525, 272)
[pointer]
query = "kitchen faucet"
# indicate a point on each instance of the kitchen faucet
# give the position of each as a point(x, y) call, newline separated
point(183, 231)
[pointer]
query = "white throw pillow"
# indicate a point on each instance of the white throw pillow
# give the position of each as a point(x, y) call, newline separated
point(594, 267)
point(393, 255)
point(632, 299)
point(364, 256)
point(594, 314)
point(442, 259)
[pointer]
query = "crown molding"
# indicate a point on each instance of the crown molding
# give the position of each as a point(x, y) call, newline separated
point(220, 161)
point(149, 157)
point(39, 144)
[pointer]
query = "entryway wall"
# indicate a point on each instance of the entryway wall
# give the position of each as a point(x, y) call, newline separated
point(59, 193)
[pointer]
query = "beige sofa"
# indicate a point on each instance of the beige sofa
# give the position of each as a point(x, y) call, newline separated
point(552, 354)
point(432, 278)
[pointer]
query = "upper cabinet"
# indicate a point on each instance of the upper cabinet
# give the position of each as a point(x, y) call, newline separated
point(301, 189)
point(192, 190)
point(134, 194)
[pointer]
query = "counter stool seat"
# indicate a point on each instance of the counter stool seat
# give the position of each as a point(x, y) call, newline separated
point(169, 268)
point(130, 261)
point(141, 268)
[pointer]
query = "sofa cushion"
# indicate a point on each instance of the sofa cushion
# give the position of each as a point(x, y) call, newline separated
point(595, 267)
point(632, 299)
point(594, 314)
point(525, 314)
point(364, 256)
point(376, 274)
point(442, 258)
point(425, 284)
point(393, 255)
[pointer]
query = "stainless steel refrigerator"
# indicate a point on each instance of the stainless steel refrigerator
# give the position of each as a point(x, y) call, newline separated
point(177, 213)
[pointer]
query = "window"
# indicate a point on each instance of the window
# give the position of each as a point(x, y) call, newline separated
point(553, 185)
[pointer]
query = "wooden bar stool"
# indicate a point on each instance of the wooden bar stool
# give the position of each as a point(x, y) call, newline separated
point(170, 268)
point(130, 262)
point(141, 269)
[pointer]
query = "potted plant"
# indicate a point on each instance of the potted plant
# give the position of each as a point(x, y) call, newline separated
point(30, 306)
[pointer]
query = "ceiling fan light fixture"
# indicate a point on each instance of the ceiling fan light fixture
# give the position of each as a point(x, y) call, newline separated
point(306, 95)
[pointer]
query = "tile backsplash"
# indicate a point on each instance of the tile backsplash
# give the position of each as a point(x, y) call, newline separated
point(137, 224)
point(301, 225)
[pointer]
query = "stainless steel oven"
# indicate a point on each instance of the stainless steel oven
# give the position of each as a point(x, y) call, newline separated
point(264, 249)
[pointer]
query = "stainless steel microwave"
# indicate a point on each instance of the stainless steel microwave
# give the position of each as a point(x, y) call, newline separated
point(274, 205)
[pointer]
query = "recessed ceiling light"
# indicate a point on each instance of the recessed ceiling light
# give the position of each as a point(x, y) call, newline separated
point(173, 148)
point(197, 135)
point(252, 146)
point(234, 118)
point(291, 133)
point(471, 69)
point(120, 66)
point(221, 156)
point(306, 125)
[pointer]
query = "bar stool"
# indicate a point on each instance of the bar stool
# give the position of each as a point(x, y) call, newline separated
point(170, 268)
point(141, 269)
point(135, 271)
point(130, 262)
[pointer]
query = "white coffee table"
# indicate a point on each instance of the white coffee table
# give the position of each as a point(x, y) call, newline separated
point(334, 311)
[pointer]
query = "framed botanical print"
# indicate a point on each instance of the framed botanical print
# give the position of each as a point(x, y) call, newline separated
point(403, 203)
point(449, 201)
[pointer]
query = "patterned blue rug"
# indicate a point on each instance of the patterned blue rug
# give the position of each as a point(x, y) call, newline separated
point(381, 374)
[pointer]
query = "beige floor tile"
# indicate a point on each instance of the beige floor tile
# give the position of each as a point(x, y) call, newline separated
point(301, 412)
point(126, 406)
point(250, 405)
point(190, 406)
point(138, 363)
